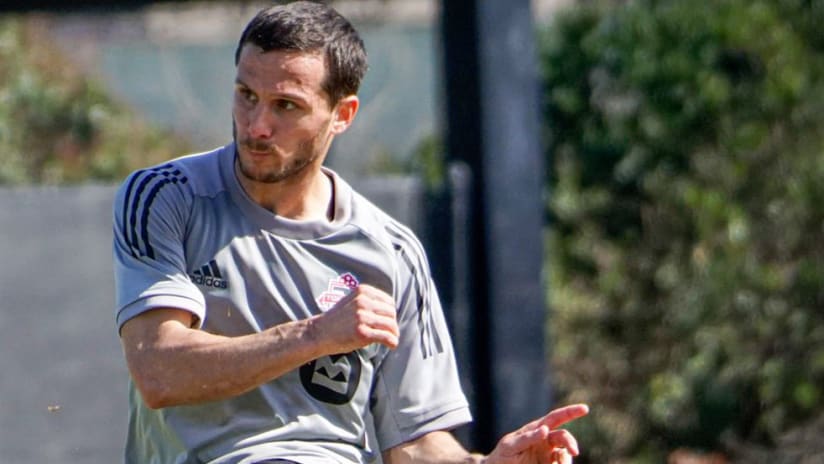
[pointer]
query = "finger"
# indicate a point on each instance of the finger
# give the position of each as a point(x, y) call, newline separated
point(540, 437)
point(379, 321)
point(523, 439)
point(560, 456)
point(383, 310)
point(561, 416)
point(372, 300)
point(563, 439)
point(376, 294)
point(384, 337)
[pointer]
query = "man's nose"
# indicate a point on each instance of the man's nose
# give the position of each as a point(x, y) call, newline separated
point(261, 123)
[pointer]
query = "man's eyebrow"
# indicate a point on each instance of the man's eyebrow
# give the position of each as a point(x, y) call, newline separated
point(294, 96)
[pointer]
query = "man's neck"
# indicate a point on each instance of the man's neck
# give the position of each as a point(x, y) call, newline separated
point(303, 197)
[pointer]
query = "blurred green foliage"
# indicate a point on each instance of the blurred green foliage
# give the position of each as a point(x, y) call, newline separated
point(427, 161)
point(686, 154)
point(57, 126)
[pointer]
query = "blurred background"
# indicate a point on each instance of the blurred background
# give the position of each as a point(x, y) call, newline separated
point(681, 208)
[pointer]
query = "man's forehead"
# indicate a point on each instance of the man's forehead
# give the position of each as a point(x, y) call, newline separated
point(251, 50)
point(306, 67)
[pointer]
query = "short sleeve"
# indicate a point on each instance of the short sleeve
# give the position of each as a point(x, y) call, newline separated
point(151, 211)
point(417, 388)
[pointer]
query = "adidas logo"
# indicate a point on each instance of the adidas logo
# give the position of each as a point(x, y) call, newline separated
point(209, 275)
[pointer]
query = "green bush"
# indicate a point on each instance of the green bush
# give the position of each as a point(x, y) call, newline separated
point(57, 126)
point(686, 154)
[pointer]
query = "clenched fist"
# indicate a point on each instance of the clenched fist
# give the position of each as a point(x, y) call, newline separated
point(365, 316)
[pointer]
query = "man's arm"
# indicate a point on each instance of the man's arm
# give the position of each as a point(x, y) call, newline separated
point(539, 441)
point(435, 447)
point(173, 364)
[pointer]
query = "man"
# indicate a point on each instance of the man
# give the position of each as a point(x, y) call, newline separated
point(269, 313)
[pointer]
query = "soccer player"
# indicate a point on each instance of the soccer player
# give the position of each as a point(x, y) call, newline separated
point(268, 312)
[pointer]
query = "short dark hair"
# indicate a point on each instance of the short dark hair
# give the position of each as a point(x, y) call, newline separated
point(311, 26)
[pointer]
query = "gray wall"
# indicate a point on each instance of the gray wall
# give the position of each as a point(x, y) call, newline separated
point(62, 380)
point(62, 376)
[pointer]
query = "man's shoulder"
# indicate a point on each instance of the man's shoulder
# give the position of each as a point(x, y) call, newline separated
point(192, 174)
point(384, 227)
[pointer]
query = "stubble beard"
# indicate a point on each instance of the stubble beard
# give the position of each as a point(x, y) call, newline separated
point(305, 155)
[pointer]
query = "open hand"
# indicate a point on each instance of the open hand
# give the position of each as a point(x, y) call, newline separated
point(540, 441)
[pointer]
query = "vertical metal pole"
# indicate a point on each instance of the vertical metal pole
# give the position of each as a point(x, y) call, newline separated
point(493, 124)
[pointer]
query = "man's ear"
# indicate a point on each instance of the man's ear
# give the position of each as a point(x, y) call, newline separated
point(345, 111)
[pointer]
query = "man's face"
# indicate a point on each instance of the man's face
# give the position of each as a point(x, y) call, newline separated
point(283, 119)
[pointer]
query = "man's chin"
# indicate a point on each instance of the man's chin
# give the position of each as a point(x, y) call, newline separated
point(266, 177)
point(266, 172)
point(258, 174)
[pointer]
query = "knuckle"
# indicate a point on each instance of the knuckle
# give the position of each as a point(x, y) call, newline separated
point(362, 332)
point(360, 300)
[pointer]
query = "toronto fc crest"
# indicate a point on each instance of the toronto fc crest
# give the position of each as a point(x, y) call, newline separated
point(338, 288)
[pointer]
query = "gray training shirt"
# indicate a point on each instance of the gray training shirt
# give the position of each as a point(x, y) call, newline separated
point(187, 236)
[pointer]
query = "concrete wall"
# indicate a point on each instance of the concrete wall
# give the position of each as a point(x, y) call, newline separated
point(62, 376)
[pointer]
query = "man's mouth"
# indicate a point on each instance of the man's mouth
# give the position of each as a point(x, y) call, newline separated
point(258, 149)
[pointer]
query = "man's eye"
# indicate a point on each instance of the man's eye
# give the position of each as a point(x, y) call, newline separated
point(247, 95)
point(286, 105)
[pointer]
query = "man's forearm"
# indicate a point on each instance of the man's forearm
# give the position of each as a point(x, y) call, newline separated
point(432, 448)
point(175, 365)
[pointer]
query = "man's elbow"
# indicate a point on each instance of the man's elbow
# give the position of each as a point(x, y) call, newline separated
point(155, 391)
point(153, 400)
